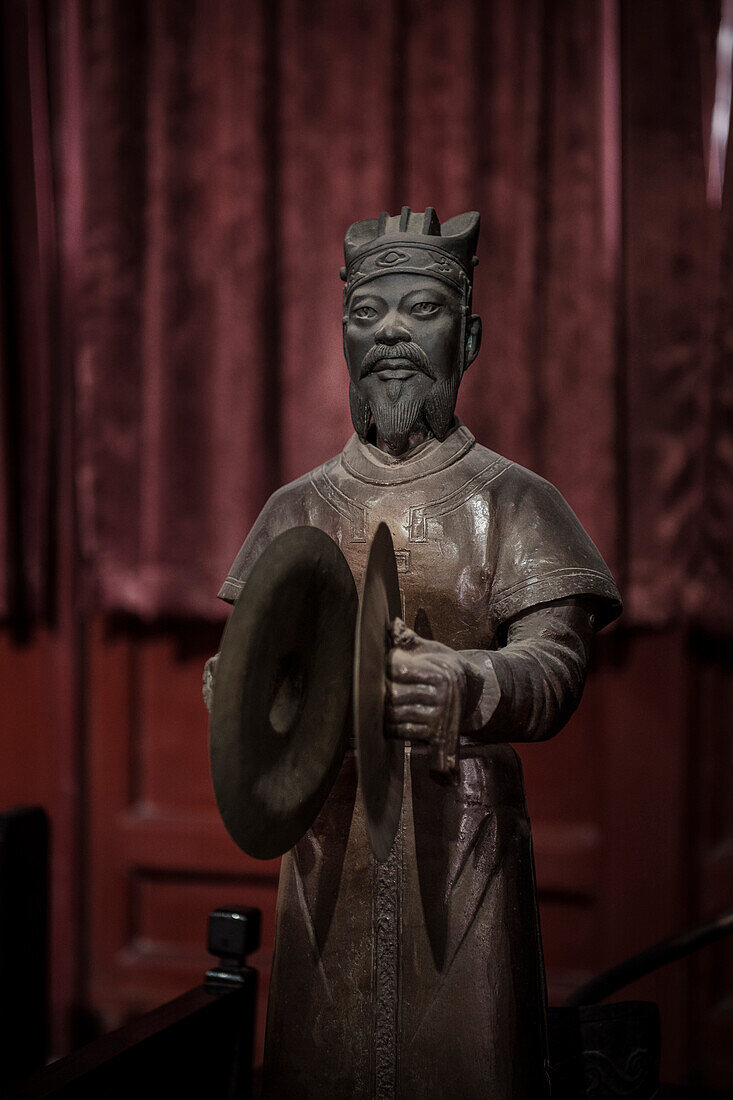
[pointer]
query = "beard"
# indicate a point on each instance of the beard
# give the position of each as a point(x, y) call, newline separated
point(396, 419)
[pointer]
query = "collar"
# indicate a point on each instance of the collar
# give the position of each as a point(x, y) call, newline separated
point(367, 463)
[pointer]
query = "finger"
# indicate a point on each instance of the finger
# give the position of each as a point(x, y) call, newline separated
point(444, 754)
point(399, 630)
point(408, 731)
point(405, 638)
point(399, 694)
point(405, 669)
point(412, 712)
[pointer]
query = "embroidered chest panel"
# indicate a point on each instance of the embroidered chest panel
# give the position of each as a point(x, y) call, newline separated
point(441, 530)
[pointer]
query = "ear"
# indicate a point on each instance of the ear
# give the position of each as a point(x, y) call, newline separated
point(345, 321)
point(473, 339)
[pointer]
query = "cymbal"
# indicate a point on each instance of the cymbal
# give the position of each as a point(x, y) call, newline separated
point(380, 760)
point(281, 714)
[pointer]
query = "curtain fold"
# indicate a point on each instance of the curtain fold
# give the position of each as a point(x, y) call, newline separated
point(174, 391)
point(336, 125)
point(671, 237)
point(709, 592)
point(28, 363)
point(224, 149)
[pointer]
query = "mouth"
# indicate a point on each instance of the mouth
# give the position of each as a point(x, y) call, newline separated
point(395, 370)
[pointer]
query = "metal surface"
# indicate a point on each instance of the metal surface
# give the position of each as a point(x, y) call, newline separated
point(281, 708)
point(381, 762)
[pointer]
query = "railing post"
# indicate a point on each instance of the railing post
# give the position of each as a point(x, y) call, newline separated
point(234, 934)
point(23, 942)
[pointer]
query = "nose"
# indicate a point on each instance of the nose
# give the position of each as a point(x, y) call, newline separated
point(392, 330)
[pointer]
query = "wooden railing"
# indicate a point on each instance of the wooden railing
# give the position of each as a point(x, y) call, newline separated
point(197, 1045)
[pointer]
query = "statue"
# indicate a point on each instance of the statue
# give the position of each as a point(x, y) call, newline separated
point(422, 976)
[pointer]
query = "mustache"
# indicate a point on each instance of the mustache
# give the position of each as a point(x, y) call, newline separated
point(403, 350)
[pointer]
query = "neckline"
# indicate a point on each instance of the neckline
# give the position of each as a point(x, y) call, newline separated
point(367, 463)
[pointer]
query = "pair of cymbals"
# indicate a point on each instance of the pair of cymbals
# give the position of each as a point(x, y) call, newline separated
point(296, 643)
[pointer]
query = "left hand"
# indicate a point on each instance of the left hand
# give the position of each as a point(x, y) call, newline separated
point(426, 696)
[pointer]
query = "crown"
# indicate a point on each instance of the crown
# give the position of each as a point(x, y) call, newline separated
point(414, 243)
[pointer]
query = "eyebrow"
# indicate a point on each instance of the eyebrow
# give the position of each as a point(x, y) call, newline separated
point(365, 296)
point(426, 291)
point(433, 291)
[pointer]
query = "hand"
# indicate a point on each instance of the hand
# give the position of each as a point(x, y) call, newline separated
point(426, 695)
point(208, 685)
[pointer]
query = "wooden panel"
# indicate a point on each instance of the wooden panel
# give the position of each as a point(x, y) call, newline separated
point(39, 742)
point(26, 767)
point(563, 776)
point(171, 738)
point(198, 842)
point(567, 858)
point(571, 943)
point(161, 858)
point(609, 802)
point(564, 780)
point(712, 766)
point(643, 705)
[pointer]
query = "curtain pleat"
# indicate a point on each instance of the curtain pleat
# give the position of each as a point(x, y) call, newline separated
point(336, 121)
point(669, 241)
point(28, 362)
point(709, 585)
point(175, 422)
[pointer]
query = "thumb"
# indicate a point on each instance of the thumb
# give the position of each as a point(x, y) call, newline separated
point(403, 637)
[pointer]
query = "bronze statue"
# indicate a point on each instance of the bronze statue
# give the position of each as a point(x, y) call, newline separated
point(422, 975)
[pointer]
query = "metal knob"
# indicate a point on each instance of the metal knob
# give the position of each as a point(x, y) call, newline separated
point(233, 935)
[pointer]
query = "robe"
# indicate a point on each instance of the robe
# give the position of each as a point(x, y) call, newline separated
point(423, 976)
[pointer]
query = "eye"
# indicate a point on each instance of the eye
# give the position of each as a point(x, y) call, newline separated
point(364, 313)
point(425, 309)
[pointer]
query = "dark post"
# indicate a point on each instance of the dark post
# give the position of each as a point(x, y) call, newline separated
point(234, 933)
point(23, 942)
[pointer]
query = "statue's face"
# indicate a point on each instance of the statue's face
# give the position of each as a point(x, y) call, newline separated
point(403, 343)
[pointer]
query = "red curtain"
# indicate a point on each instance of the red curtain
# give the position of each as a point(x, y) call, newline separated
point(29, 363)
point(675, 315)
point(214, 157)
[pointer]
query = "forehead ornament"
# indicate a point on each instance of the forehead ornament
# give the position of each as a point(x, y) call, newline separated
point(414, 243)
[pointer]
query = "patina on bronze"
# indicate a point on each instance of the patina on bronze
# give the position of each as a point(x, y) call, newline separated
point(281, 709)
point(422, 976)
point(380, 761)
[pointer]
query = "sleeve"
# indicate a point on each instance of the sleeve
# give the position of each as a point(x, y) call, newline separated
point(542, 553)
point(528, 690)
point(280, 513)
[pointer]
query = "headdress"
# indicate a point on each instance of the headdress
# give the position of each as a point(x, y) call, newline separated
point(415, 243)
